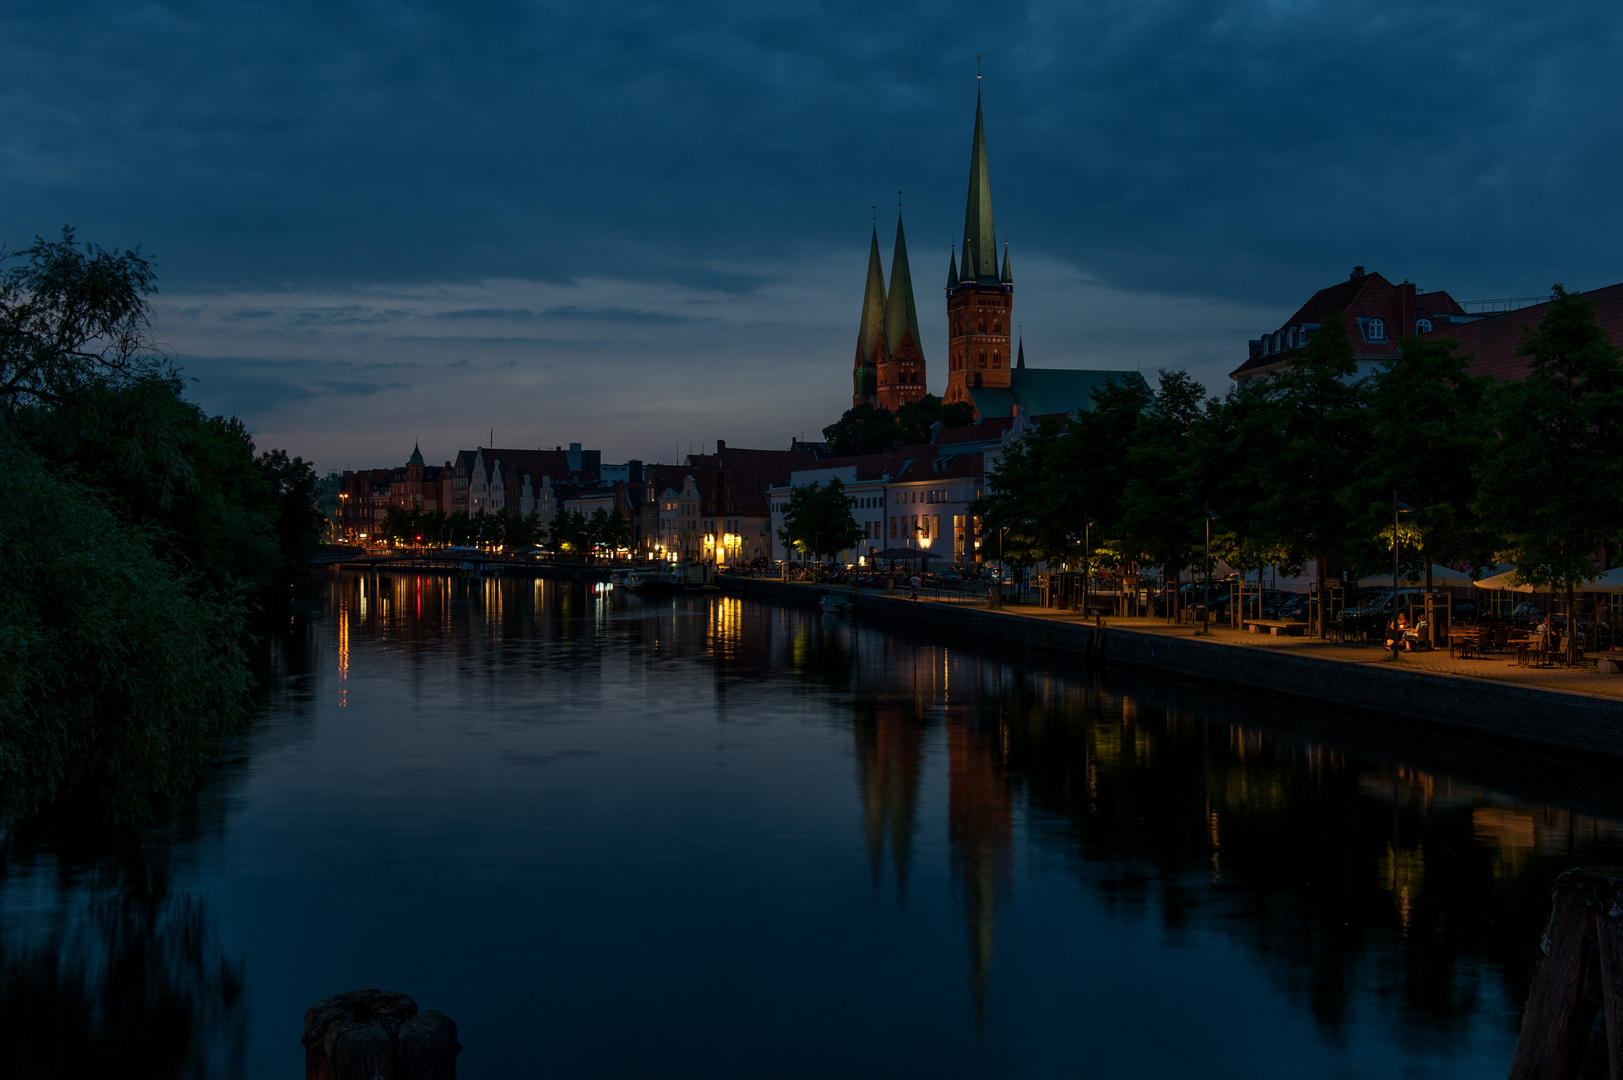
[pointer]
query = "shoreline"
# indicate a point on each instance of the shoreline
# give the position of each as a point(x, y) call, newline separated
point(1563, 720)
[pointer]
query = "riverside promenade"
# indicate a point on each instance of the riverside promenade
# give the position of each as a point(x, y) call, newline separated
point(1551, 708)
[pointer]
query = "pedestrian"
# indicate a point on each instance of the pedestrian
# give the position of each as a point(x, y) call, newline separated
point(913, 583)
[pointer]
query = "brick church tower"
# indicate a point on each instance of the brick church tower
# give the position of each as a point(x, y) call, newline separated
point(980, 299)
point(889, 368)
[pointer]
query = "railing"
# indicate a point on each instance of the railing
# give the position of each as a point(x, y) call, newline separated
point(1509, 303)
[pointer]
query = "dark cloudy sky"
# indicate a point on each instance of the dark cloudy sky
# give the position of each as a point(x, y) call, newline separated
point(641, 226)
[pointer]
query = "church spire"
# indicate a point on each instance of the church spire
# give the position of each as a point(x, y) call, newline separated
point(953, 280)
point(1021, 362)
point(900, 313)
point(1007, 277)
point(873, 305)
point(980, 238)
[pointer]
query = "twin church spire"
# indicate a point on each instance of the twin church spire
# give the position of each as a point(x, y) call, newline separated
point(889, 370)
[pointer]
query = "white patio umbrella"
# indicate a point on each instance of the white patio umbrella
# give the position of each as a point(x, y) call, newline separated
point(1609, 582)
point(1440, 575)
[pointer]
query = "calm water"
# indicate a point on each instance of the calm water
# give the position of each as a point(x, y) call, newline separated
point(702, 837)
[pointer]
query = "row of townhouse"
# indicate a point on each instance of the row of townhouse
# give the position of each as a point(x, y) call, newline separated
point(914, 497)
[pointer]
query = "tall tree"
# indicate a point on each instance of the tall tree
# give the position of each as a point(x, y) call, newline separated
point(819, 522)
point(72, 316)
point(1553, 485)
point(1429, 433)
point(1318, 431)
point(1157, 499)
point(863, 429)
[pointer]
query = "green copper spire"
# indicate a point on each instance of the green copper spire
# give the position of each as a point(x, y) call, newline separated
point(1020, 363)
point(900, 313)
point(980, 238)
point(416, 455)
point(953, 280)
point(873, 305)
point(1006, 277)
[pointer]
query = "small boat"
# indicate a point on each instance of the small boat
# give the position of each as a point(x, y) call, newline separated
point(835, 603)
point(646, 582)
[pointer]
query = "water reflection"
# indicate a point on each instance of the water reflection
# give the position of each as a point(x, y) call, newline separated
point(704, 807)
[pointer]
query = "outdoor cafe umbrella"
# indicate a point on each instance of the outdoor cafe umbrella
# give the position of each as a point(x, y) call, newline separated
point(1440, 575)
point(1609, 582)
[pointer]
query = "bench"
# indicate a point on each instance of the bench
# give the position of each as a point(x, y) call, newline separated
point(1276, 627)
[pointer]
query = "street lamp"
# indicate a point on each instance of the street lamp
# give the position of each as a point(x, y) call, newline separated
point(1087, 557)
point(1397, 508)
point(1205, 608)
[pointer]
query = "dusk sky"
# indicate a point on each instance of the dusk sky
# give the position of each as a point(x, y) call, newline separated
point(645, 226)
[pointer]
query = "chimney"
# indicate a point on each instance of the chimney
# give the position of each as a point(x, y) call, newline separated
point(1358, 272)
point(721, 444)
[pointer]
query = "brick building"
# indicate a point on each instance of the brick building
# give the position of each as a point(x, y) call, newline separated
point(1378, 315)
point(889, 369)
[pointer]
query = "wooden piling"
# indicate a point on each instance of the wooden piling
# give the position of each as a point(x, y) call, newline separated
point(377, 1035)
point(1582, 971)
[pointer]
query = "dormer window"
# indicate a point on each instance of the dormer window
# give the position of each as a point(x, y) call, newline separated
point(1422, 326)
point(1290, 338)
point(1374, 329)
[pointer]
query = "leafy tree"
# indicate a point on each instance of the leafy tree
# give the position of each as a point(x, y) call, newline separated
point(569, 532)
point(608, 529)
point(917, 417)
point(819, 522)
point(118, 676)
point(864, 429)
point(399, 524)
point(1018, 512)
point(1429, 435)
point(1157, 496)
point(72, 317)
point(1553, 485)
point(1306, 433)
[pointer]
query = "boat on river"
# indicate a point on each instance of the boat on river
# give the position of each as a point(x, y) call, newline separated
point(646, 582)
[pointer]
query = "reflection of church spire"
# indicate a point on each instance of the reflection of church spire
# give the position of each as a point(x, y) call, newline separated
point(979, 828)
point(890, 755)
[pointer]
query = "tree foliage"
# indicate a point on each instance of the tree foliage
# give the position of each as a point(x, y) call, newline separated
point(819, 521)
point(135, 534)
point(868, 429)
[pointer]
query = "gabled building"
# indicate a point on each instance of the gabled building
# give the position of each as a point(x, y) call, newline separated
point(1377, 315)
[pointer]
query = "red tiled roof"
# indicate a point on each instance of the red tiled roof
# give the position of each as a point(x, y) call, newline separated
point(1493, 341)
point(984, 431)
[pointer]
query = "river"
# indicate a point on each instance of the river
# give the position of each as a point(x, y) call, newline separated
point(705, 837)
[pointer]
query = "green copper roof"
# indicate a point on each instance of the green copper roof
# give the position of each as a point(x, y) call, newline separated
point(953, 280)
point(980, 238)
point(873, 305)
point(416, 456)
point(900, 313)
point(1007, 277)
point(1020, 364)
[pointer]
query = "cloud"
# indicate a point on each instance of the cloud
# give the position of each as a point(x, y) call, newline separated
point(675, 200)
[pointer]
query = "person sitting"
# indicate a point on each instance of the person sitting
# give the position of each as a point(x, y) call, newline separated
point(1417, 638)
point(1394, 634)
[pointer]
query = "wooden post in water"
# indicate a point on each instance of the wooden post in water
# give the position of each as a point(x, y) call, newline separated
point(377, 1035)
point(1582, 972)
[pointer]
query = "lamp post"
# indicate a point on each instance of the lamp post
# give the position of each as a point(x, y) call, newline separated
point(1205, 607)
point(1397, 508)
point(1087, 557)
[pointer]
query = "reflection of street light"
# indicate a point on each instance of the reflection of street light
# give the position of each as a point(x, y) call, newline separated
point(1087, 557)
point(1397, 508)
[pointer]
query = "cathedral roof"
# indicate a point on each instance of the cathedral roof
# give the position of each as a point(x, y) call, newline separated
point(900, 312)
point(980, 238)
point(872, 326)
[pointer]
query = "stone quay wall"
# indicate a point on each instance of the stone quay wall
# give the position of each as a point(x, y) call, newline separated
point(1551, 719)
